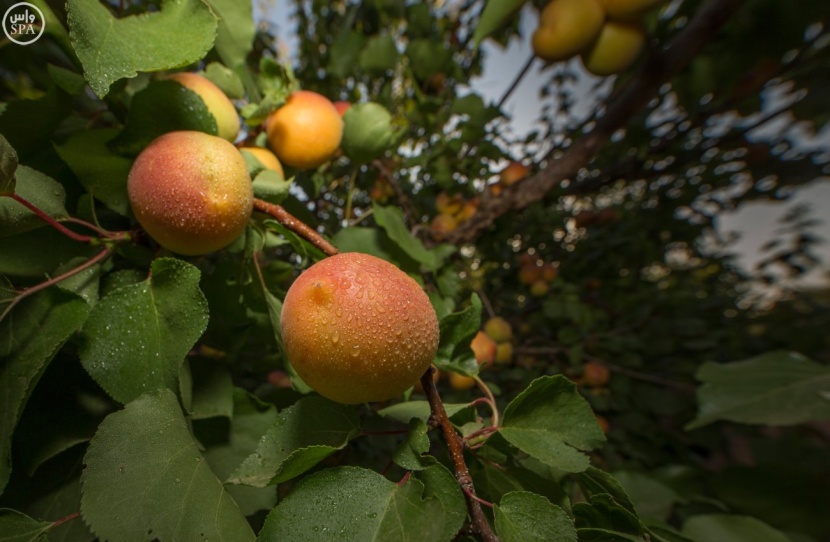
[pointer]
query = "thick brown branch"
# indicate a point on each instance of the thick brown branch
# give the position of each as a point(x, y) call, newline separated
point(456, 449)
point(659, 68)
point(296, 225)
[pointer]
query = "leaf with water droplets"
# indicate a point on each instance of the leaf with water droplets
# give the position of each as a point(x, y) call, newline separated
point(350, 503)
point(145, 479)
point(30, 336)
point(303, 435)
point(523, 516)
point(180, 33)
point(137, 336)
point(551, 422)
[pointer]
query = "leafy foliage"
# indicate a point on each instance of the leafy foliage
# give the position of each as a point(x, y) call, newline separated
point(147, 396)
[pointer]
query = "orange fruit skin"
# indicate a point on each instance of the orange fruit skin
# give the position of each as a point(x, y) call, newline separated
point(513, 173)
point(306, 131)
point(358, 329)
point(222, 109)
point(595, 374)
point(461, 382)
point(191, 192)
point(484, 348)
point(566, 27)
point(265, 157)
point(616, 48)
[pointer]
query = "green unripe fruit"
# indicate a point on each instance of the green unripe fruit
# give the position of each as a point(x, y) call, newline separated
point(219, 105)
point(356, 328)
point(498, 329)
point(191, 192)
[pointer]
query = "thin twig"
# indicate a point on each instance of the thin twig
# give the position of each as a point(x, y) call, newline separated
point(296, 225)
point(65, 519)
point(455, 446)
point(494, 420)
point(45, 284)
point(516, 81)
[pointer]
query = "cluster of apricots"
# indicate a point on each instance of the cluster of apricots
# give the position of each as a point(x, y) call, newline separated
point(608, 35)
point(452, 212)
point(191, 191)
point(536, 274)
point(492, 347)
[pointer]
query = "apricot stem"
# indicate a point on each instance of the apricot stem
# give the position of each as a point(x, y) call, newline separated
point(296, 225)
point(65, 519)
point(45, 284)
point(456, 449)
point(50, 220)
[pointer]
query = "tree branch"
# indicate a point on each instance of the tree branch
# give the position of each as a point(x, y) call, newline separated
point(296, 225)
point(456, 449)
point(659, 68)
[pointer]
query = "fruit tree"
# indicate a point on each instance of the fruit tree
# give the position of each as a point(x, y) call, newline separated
point(338, 291)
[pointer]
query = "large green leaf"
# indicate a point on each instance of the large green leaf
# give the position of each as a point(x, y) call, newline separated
point(551, 422)
point(235, 34)
point(522, 516)
point(145, 478)
point(227, 448)
point(380, 54)
point(602, 519)
point(102, 173)
point(391, 219)
point(495, 14)
point(18, 527)
point(653, 498)
point(729, 528)
point(41, 191)
point(594, 481)
point(30, 336)
point(777, 388)
point(8, 165)
point(457, 329)
point(161, 107)
point(181, 33)
point(137, 336)
point(302, 435)
point(350, 503)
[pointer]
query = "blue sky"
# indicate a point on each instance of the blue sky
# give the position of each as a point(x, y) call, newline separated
point(756, 223)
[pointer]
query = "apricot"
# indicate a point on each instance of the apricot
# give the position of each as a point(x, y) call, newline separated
point(342, 106)
point(222, 109)
point(484, 348)
point(443, 224)
point(566, 27)
point(265, 157)
point(306, 131)
point(595, 374)
point(513, 173)
point(616, 48)
point(498, 329)
point(549, 272)
point(191, 192)
point(356, 328)
point(504, 353)
point(540, 288)
point(461, 382)
point(530, 273)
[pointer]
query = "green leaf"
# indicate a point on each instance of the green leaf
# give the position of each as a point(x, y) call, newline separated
point(380, 54)
point(181, 33)
point(22, 255)
point(8, 165)
point(391, 219)
point(31, 124)
point(235, 32)
point(495, 14)
point(457, 329)
point(776, 388)
point(303, 435)
point(73, 83)
point(212, 389)
point(227, 80)
point(41, 191)
point(145, 477)
point(522, 516)
point(406, 411)
point(595, 481)
point(728, 528)
point(428, 57)
point(553, 423)
point(344, 53)
point(653, 498)
point(270, 186)
point(603, 519)
point(18, 527)
point(161, 107)
point(137, 336)
point(227, 448)
point(367, 132)
point(410, 454)
point(350, 503)
point(102, 173)
point(441, 484)
point(30, 336)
